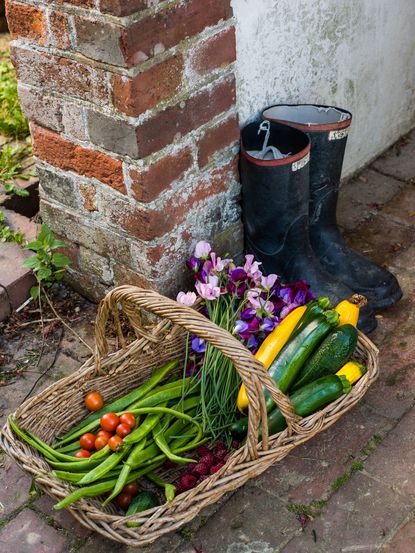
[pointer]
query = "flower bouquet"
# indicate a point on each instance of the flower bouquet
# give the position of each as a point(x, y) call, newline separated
point(247, 303)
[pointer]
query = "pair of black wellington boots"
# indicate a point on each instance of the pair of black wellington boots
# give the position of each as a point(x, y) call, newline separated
point(290, 169)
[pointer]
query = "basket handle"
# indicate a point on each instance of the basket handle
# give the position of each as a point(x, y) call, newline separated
point(252, 372)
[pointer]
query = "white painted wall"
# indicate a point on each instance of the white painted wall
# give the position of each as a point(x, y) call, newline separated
point(357, 54)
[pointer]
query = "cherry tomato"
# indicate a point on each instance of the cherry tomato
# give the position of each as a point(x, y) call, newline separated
point(115, 443)
point(100, 442)
point(123, 500)
point(131, 489)
point(104, 434)
point(123, 430)
point(94, 401)
point(109, 421)
point(82, 454)
point(87, 441)
point(128, 419)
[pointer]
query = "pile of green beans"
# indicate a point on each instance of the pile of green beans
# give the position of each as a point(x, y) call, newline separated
point(166, 429)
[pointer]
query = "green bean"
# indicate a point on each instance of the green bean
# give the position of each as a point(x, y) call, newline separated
point(159, 397)
point(81, 465)
point(101, 488)
point(128, 399)
point(75, 477)
point(169, 489)
point(125, 471)
point(110, 462)
point(161, 442)
point(69, 448)
point(147, 426)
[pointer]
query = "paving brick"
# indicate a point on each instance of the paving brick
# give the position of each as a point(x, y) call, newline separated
point(358, 517)
point(24, 205)
point(249, 516)
point(114, 135)
point(28, 533)
point(402, 207)
point(62, 518)
point(403, 541)
point(135, 95)
point(99, 544)
point(399, 160)
point(166, 28)
point(14, 491)
point(5, 306)
point(20, 223)
point(393, 462)
point(16, 279)
point(371, 240)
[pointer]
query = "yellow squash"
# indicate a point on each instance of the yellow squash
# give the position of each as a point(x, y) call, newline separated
point(348, 310)
point(271, 346)
point(352, 370)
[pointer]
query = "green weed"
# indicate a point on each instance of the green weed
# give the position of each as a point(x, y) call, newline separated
point(11, 158)
point(12, 120)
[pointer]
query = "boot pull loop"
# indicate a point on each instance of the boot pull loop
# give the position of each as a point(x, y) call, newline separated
point(264, 126)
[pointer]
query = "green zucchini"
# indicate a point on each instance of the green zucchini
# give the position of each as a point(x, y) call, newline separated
point(315, 307)
point(306, 401)
point(141, 502)
point(297, 350)
point(331, 355)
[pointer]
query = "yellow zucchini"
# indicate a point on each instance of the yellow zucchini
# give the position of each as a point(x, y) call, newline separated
point(352, 370)
point(271, 346)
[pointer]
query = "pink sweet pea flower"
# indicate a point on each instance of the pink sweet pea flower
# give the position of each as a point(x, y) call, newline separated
point(202, 249)
point(207, 291)
point(186, 298)
point(268, 281)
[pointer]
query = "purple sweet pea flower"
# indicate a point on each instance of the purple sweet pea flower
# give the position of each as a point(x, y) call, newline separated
point(238, 275)
point(268, 325)
point(187, 298)
point(247, 314)
point(198, 345)
point(202, 249)
point(194, 264)
point(240, 327)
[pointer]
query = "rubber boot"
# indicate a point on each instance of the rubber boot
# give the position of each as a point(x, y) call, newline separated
point(327, 128)
point(275, 199)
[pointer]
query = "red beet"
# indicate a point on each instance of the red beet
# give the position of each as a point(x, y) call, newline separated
point(169, 464)
point(217, 467)
point(188, 481)
point(200, 469)
point(227, 456)
point(235, 444)
point(204, 477)
point(220, 454)
point(208, 459)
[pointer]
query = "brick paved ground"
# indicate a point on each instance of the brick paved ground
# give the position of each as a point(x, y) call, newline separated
point(354, 483)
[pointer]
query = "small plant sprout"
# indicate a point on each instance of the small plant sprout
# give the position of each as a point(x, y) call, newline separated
point(47, 264)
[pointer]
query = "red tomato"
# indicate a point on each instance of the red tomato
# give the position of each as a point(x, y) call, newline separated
point(128, 419)
point(131, 489)
point(100, 442)
point(83, 454)
point(87, 441)
point(123, 430)
point(94, 401)
point(123, 500)
point(104, 434)
point(109, 421)
point(115, 443)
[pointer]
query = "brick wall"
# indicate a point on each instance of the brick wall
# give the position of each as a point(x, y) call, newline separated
point(134, 124)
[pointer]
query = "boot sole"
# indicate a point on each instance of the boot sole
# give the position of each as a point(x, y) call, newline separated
point(390, 300)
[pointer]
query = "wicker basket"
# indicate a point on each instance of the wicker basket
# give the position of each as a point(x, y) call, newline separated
point(55, 410)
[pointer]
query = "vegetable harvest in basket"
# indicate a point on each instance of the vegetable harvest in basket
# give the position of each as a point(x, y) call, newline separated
point(303, 342)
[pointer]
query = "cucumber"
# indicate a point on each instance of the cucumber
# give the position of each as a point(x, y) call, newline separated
point(306, 401)
point(297, 350)
point(332, 354)
point(141, 502)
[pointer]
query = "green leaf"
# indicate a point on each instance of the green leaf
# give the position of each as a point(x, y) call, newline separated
point(21, 192)
point(44, 273)
point(31, 262)
point(34, 292)
point(35, 245)
point(60, 260)
point(45, 235)
point(57, 244)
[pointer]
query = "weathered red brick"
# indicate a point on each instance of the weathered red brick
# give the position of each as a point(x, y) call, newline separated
point(148, 184)
point(216, 51)
point(59, 30)
point(151, 223)
point(99, 39)
point(56, 74)
point(161, 130)
point(217, 139)
point(124, 275)
point(88, 193)
point(135, 95)
point(166, 28)
point(58, 151)
point(125, 7)
point(41, 108)
point(81, 3)
point(26, 21)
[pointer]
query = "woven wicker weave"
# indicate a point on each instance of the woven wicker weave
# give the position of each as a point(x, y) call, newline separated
point(55, 410)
